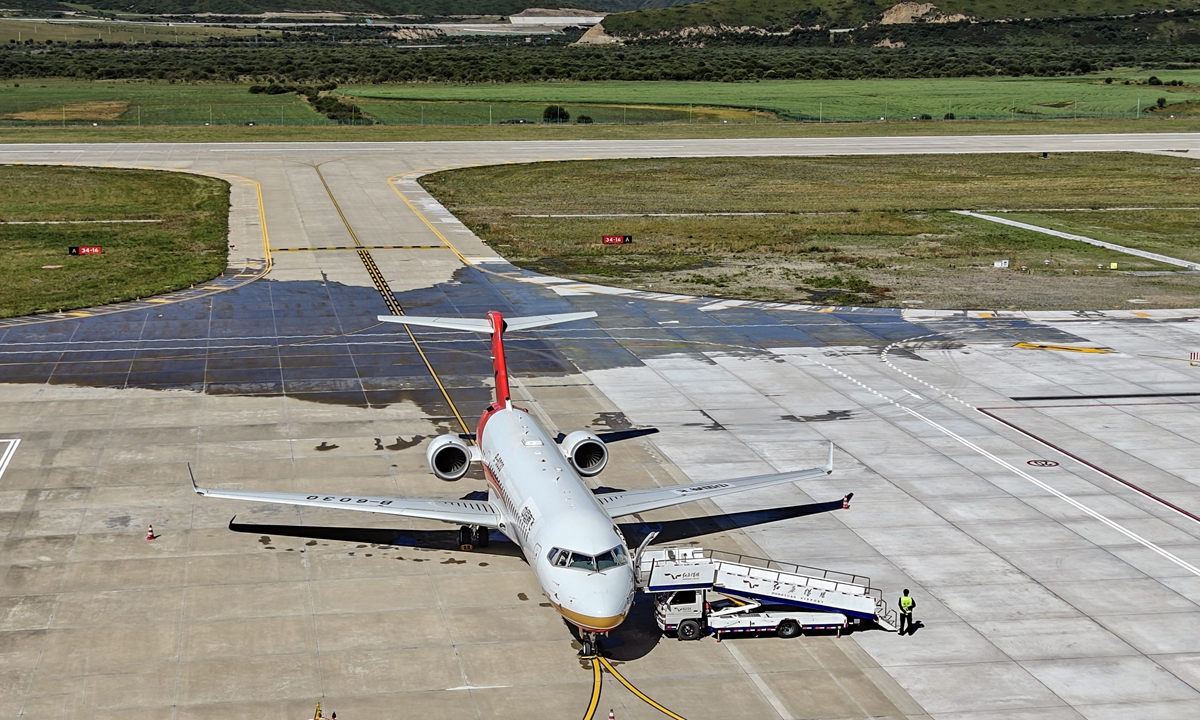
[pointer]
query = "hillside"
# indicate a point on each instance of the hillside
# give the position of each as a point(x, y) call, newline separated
point(784, 15)
point(391, 8)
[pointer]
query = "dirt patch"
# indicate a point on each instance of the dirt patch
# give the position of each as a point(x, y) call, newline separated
point(1184, 108)
point(101, 110)
point(596, 36)
point(910, 12)
point(412, 33)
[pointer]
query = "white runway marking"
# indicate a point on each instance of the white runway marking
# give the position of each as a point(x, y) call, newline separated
point(9, 451)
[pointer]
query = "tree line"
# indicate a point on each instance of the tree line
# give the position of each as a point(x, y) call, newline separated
point(299, 64)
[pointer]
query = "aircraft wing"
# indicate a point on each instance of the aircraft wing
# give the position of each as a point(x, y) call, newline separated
point(458, 512)
point(636, 501)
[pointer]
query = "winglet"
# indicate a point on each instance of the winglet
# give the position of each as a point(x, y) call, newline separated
point(198, 490)
point(828, 467)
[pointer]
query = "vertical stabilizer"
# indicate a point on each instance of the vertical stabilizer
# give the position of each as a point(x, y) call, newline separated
point(499, 365)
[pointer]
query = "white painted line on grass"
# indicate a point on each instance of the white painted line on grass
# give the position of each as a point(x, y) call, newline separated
point(1081, 238)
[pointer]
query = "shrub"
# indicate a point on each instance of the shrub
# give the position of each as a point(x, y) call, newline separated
point(584, 120)
point(949, 116)
point(555, 114)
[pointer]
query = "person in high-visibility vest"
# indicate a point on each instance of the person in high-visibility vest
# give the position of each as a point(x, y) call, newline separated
point(907, 605)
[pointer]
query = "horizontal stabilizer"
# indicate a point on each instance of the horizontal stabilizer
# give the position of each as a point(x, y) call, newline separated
point(485, 326)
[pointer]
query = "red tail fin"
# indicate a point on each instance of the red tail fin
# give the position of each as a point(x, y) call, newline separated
point(498, 363)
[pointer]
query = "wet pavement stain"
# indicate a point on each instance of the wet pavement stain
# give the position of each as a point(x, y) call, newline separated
point(453, 561)
point(522, 596)
point(827, 416)
point(319, 342)
point(402, 444)
point(324, 446)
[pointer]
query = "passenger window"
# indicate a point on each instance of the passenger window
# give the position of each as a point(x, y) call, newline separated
point(684, 597)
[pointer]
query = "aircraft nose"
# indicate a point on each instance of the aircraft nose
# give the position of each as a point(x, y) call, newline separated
point(603, 609)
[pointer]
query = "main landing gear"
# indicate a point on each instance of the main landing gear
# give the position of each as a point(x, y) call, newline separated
point(470, 538)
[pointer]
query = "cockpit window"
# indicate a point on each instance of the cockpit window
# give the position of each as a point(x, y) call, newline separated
point(612, 558)
point(566, 558)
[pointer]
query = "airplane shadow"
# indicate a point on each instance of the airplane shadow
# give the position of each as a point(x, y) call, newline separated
point(423, 539)
point(639, 634)
point(675, 530)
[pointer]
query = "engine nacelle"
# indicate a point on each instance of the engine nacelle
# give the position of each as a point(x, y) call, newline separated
point(586, 452)
point(449, 456)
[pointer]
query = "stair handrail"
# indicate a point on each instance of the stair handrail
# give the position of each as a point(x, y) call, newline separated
point(795, 569)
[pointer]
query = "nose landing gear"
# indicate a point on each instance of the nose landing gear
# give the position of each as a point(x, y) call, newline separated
point(470, 538)
point(591, 644)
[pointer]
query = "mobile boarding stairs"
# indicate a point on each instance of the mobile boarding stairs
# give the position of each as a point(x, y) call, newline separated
point(678, 568)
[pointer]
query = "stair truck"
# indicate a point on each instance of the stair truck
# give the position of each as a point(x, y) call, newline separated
point(700, 591)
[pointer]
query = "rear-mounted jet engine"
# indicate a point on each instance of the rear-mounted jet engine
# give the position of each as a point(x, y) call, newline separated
point(449, 457)
point(586, 452)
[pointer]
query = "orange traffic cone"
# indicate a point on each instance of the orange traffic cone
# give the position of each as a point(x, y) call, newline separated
point(611, 716)
point(150, 532)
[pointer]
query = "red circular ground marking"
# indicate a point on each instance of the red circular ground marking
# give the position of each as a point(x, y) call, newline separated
point(1042, 463)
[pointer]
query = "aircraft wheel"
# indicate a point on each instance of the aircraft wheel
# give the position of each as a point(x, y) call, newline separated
point(689, 630)
point(788, 629)
point(464, 539)
point(481, 537)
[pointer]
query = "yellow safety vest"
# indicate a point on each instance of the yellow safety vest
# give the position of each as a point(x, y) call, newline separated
point(906, 603)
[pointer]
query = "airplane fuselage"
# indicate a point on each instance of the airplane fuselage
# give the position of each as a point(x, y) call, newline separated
point(577, 552)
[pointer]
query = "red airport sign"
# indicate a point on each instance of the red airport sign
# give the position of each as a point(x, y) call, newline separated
point(85, 250)
point(617, 239)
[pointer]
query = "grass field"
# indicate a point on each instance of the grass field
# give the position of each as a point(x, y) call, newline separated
point(997, 98)
point(39, 31)
point(481, 113)
point(146, 103)
point(22, 132)
point(859, 231)
point(140, 259)
point(65, 102)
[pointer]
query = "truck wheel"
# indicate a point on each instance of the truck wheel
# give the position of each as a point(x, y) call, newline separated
point(688, 630)
point(788, 629)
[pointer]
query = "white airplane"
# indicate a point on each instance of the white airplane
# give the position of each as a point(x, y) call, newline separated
point(538, 497)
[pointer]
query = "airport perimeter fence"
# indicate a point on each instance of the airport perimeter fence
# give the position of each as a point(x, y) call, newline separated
point(437, 113)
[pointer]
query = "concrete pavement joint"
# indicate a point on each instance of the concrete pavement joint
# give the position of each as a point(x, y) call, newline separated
point(1017, 471)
